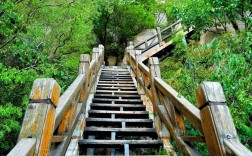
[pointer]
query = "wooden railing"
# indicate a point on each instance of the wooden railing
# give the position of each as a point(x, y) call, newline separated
point(50, 119)
point(158, 37)
point(212, 120)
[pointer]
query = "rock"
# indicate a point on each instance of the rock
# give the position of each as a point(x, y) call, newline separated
point(161, 18)
point(212, 32)
point(208, 36)
point(112, 60)
point(145, 35)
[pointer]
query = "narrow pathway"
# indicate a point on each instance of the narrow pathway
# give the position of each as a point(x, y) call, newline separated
point(118, 122)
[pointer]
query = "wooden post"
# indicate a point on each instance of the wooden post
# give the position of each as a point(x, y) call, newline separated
point(39, 116)
point(138, 72)
point(155, 72)
point(125, 57)
point(131, 44)
point(83, 69)
point(131, 52)
point(146, 44)
point(216, 119)
point(95, 55)
point(159, 36)
point(101, 52)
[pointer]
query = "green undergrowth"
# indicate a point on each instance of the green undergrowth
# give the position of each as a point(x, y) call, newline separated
point(15, 87)
point(227, 60)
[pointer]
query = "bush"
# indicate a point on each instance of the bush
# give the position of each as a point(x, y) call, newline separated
point(226, 60)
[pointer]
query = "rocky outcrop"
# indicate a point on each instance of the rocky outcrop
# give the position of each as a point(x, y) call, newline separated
point(112, 61)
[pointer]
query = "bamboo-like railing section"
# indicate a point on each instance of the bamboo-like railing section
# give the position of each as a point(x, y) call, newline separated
point(50, 119)
point(212, 119)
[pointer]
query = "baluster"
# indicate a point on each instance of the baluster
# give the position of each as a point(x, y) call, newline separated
point(101, 52)
point(95, 55)
point(139, 75)
point(146, 44)
point(159, 35)
point(155, 72)
point(83, 69)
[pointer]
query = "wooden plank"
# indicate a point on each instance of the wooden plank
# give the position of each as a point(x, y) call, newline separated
point(193, 138)
point(57, 138)
point(118, 105)
point(25, 147)
point(73, 148)
point(120, 130)
point(116, 92)
point(121, 143)
point(115, 82)
point(117, 96)
point(183, 105)
point(115, 79)
point(118, 112)
point(234, 147)
point(117, 85)
point(118, 120)
point(118, 100)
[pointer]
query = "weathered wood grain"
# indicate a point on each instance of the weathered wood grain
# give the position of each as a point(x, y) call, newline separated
point(234, 147)
point(183, 105)
point(66, 99)
point(25, 147)
point(39, 117)
point(217, 121)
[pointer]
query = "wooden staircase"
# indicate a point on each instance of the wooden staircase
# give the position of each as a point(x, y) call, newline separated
point(118, 122)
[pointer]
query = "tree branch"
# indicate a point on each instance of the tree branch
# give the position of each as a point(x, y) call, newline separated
point(23, 26)
point(63, 43)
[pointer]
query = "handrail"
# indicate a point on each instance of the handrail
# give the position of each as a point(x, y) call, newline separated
point(160, 35)
point(212, 120)
point(67, 97)
point(56, 121)
point(183, 105)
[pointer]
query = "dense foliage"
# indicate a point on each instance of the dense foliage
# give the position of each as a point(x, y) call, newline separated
point(120, 20)
point(35, 38)
point(226, 60)
point(203, 14)
point(45, 38)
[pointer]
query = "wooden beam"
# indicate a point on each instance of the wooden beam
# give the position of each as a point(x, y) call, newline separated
point(66, 99)
point(57, 138)
point(184, 106)
point(25, 147)
point(234, 147)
